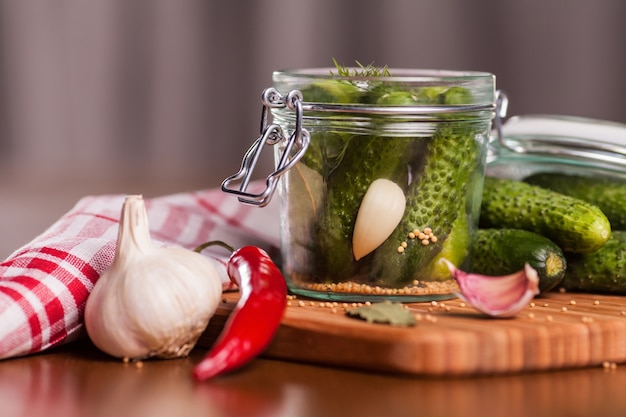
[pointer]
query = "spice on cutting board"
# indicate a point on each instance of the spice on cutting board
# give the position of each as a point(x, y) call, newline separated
point(393, 313)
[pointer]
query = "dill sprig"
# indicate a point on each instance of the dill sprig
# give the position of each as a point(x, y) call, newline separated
point(369, 70)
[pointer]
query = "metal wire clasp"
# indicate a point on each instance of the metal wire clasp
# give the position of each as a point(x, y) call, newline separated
point(502, 104)
point(271, 134)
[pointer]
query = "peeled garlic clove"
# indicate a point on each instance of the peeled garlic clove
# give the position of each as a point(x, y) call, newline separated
point(152, 301)
point(497, 296)
point(379, 214)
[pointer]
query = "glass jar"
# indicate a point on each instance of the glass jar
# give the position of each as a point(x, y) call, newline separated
point(381, 178)
point(532, 144)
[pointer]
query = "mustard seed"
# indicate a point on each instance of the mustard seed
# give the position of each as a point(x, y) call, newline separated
point(415, 288)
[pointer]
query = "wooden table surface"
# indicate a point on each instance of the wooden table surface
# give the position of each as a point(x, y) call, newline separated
point(78, 380)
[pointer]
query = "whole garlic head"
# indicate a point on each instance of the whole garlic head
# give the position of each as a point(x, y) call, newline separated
point(152, 301)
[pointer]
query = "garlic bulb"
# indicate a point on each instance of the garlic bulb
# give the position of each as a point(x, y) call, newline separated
point(379, 214)
point(152, 301)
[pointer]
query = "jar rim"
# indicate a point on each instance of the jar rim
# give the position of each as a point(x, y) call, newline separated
point(419, 75)
point(481, 86)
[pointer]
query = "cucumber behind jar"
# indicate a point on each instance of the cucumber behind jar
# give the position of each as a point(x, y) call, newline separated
point(602, 271)
point(505, 251)
point(573, 224)
point(609, 194)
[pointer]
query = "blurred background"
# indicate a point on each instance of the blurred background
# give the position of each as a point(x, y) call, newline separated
point(163, 96)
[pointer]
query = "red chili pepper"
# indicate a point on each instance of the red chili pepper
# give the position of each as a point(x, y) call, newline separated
point(256, 317)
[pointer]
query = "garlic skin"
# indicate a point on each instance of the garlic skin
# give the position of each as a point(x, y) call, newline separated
point(497, 296)
point(152, 301)
point(380, 212)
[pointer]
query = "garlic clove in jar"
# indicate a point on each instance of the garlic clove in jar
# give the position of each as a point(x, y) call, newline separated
point(152, 301)
point(379, 214)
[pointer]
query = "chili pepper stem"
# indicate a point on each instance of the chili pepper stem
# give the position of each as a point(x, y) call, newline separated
point(205, 245)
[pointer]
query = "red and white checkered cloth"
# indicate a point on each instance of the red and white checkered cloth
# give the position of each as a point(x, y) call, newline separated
point(44, 285)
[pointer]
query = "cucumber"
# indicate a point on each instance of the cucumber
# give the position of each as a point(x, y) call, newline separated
point(505, 251)
point(435, 199)
point(331, 91)
point(609, 194)
point(366, 158)
point(573, 224)
point(602, 271)
point(455, 249)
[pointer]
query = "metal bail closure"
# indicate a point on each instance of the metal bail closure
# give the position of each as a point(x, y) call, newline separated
point(271, 134)
point(502, 104)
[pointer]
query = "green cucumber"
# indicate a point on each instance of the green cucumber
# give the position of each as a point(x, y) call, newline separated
point(366, 158)
point(573, 224)
point(603, 271)
point(455, 249)
point(505, 251)
point(435, 199)
point(609, 194)
point(331, 91)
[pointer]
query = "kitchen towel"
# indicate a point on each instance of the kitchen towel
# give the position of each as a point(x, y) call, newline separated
point(44, 285)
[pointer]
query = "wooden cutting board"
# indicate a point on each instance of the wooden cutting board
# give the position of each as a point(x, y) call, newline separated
point(556, 331)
